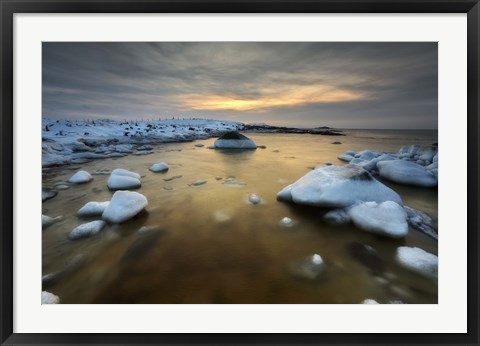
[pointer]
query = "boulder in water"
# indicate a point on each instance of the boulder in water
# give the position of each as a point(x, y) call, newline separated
point(234, 140)
point(337, 187)
point(123, 206)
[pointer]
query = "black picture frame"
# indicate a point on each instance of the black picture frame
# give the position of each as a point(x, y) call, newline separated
point(10, 7)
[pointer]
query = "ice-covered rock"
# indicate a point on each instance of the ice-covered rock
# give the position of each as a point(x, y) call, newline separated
point(145, 147)
point(387, 218)
point(428, 154)
point(49, 298)
point(432, 166)
point(234, 140)
point(86, 230)
point(48, 221)
point(122, 182)
point(418, 260)
point(80, 177)
point(159, 167)
point(372, 164)
point(123, 206)
point(337, 217)
point(406, 172)
point(366, 155)
point(310, 267)
point(93, 209)
point(346, 157)
point(125, 173)
point(337, 187)
point(254, 199)
point(435, 158)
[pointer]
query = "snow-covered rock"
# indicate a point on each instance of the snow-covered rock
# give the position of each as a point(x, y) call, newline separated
point(86, 230)
point(93, 209)
point(80, 177)
point(366, 155)
point(387, 218)
point(428, 154)
point(123, 206)
point(337, 187)
point(49, 298)
point(346, 157)
point(47, 194)
point(337, 217)
point(159, 167)
point(48, 221)
point(406, 172)
point(145, 147)
point(122, 182)
point(254, 199)
point(372, 164)
point(234, 140)
point(418, 260)
point(125, 173)
point(370, 302)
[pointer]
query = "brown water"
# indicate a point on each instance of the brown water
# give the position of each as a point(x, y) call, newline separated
point(211, 246)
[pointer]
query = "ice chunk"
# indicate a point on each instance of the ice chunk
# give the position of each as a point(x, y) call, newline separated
point(122, 182)
point(126, 173)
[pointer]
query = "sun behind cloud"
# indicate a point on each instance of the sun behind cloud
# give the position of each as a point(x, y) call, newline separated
point(293, 96)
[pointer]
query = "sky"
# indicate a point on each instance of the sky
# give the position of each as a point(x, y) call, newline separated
point(301, 84)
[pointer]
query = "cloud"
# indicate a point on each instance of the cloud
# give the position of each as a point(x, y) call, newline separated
point(307, 84)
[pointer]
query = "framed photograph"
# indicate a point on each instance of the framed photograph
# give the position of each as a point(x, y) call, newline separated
point(239, 172)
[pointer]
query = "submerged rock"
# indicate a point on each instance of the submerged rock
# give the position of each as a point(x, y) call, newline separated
point(199, 145)
point(86, 230)
point(286, 221)
point(123, 206)
point(418, 260)
point(337, 217)
point(367, 256)
point(49, 298)
point(159, 167)
point(199, 182)
point(80, 177)
point(407, 173)
point(93, 209)
point(387, 218)
point(337, 187)
point(234, 140)
point(310, 267)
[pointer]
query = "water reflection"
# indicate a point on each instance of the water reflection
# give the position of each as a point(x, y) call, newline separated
point(209, 244)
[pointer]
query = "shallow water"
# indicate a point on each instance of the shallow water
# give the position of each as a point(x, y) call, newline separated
point(210, 245)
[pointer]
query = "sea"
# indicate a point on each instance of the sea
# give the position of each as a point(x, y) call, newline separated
point(207, 244)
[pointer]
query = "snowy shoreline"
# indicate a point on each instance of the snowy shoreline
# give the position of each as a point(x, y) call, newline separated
point(65, 141)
